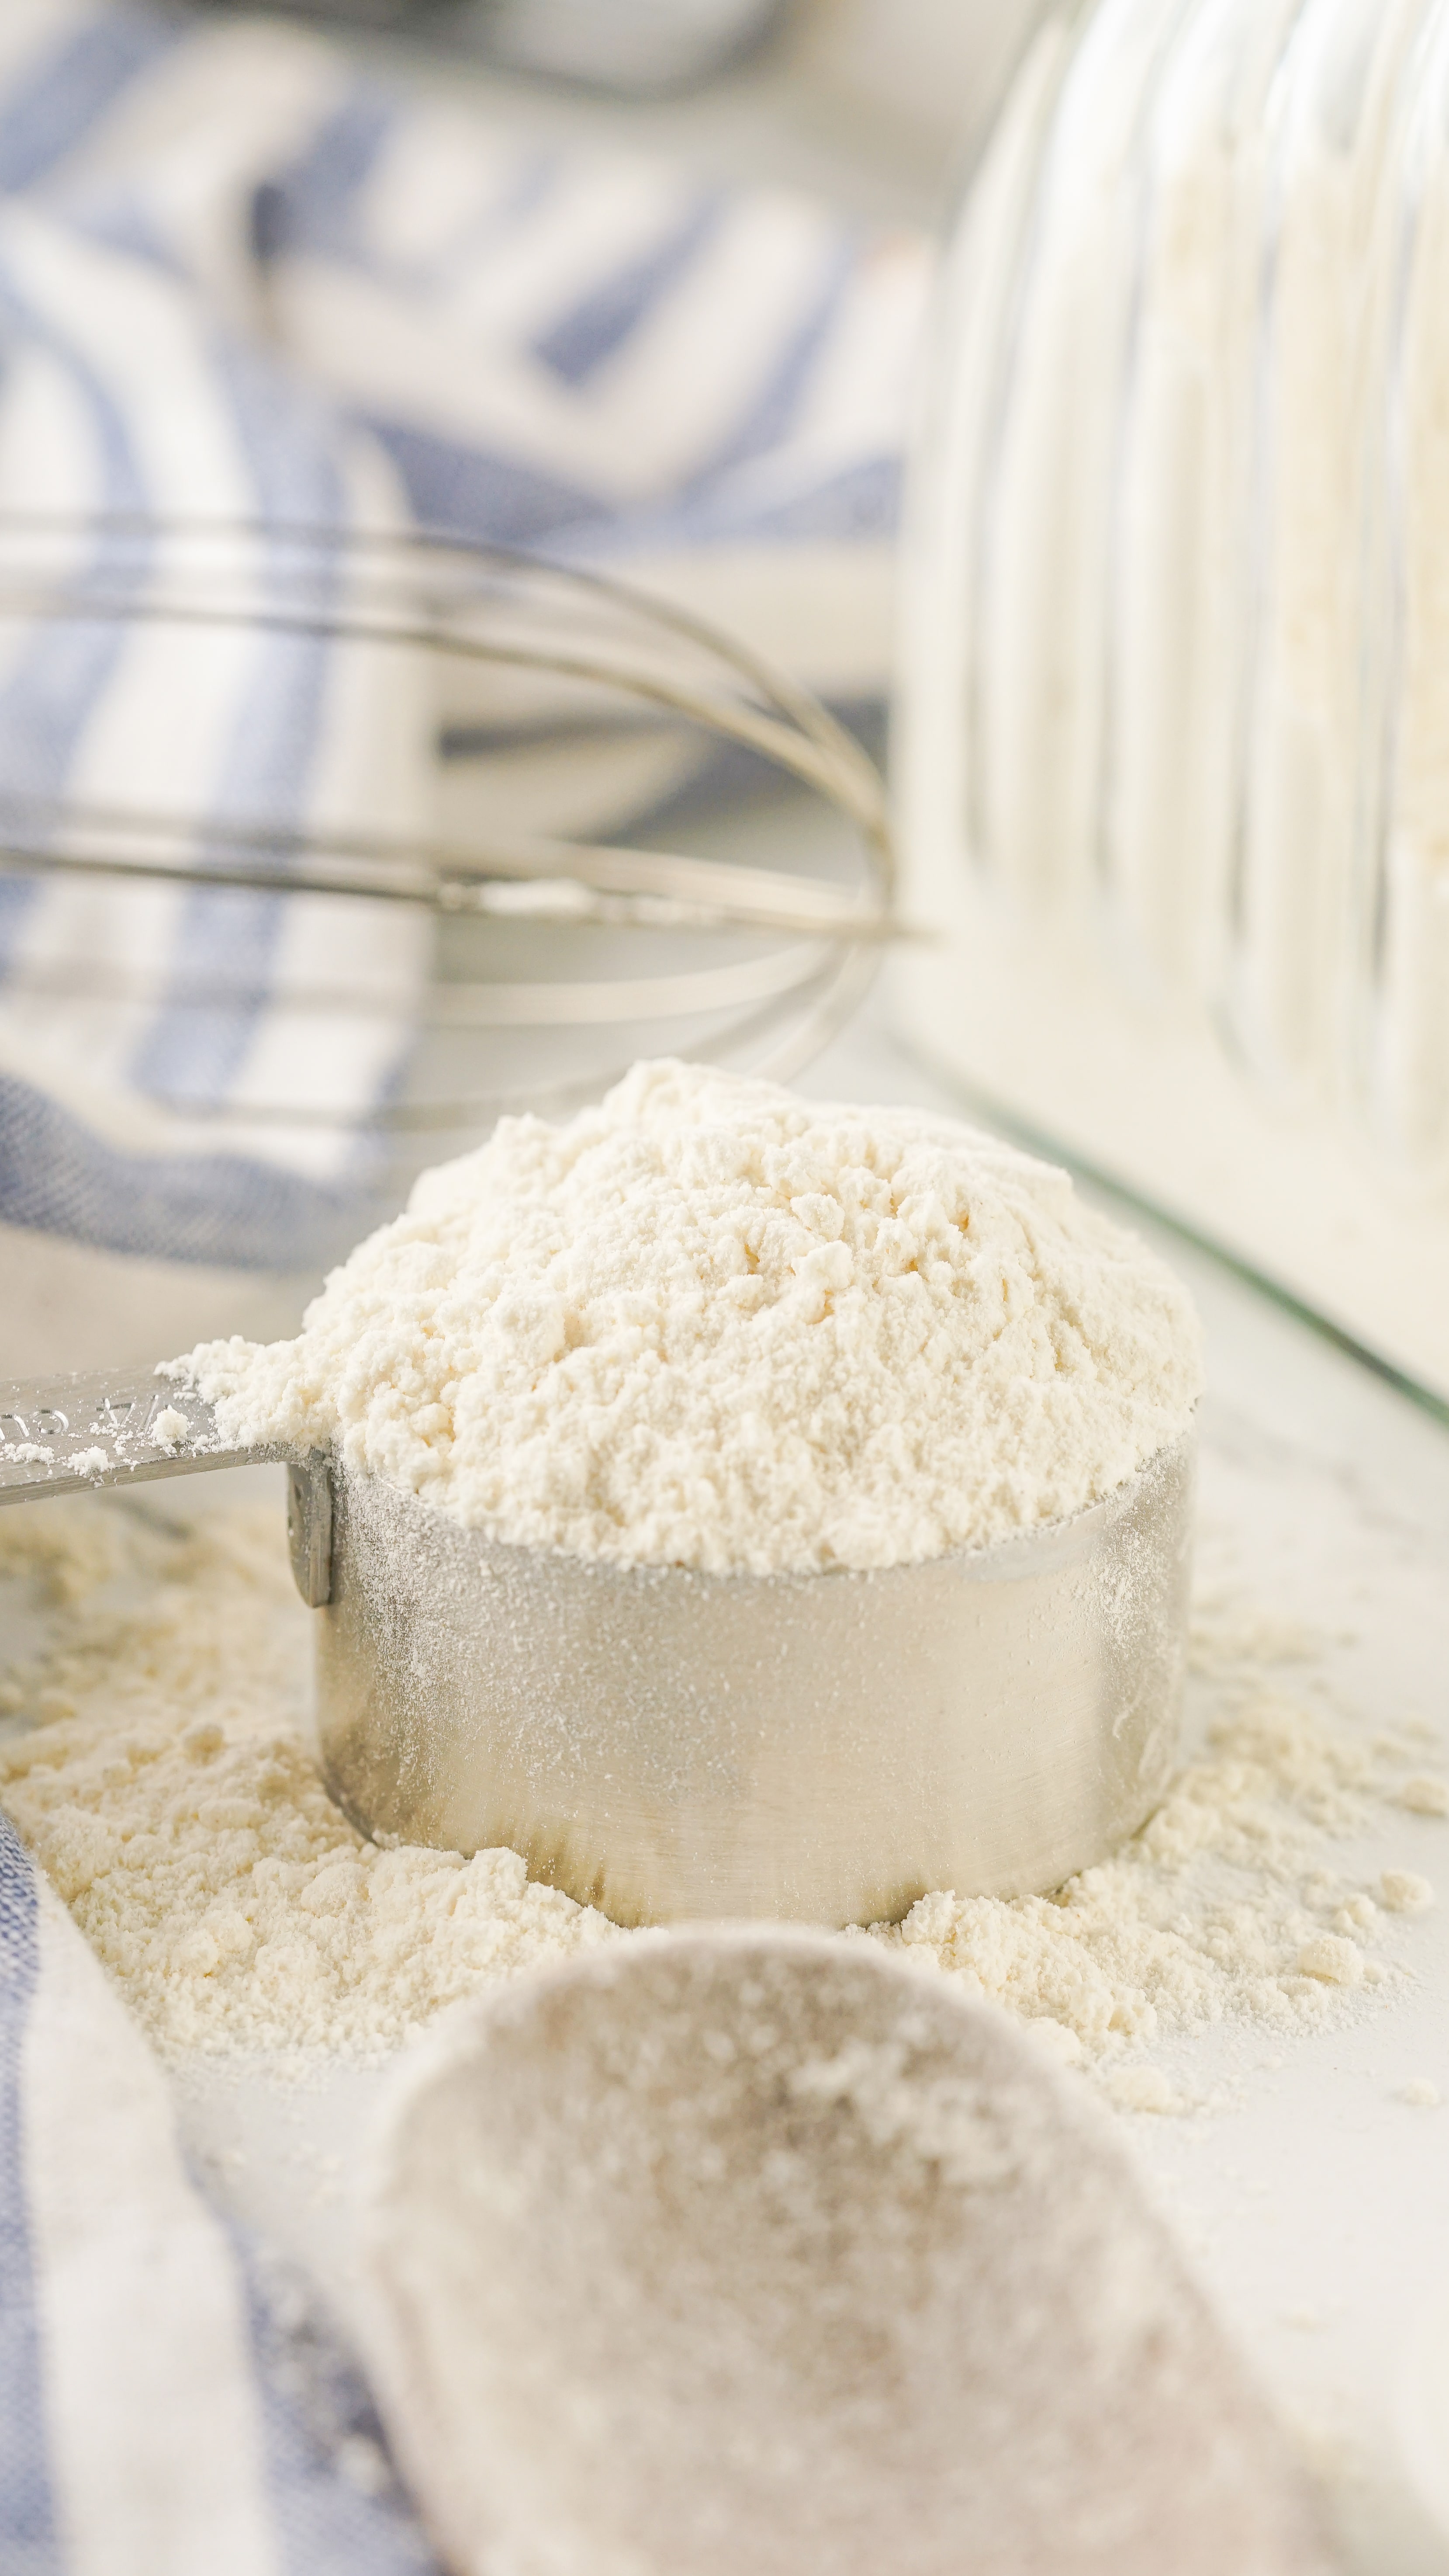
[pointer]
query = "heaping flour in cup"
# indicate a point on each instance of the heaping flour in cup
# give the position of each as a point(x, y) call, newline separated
point(708, 1323)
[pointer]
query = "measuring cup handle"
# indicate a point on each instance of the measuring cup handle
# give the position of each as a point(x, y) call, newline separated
point(68, 1435)
point(61, 1435)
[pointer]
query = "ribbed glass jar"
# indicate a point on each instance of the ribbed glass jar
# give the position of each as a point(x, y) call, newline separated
point(1173, 723)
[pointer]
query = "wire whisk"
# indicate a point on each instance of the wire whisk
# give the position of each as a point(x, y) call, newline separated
point(362, 836)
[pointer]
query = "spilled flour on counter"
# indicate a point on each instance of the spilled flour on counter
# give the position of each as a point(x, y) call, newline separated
point(169, 1793)
point(709, 1323)
point(156, 1763)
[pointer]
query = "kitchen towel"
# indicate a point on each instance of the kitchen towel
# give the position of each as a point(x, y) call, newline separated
point(239, 281)
point(168, 2403)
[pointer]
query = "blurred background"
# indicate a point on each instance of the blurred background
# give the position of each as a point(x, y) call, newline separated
point(874, 106)
point(487, 490)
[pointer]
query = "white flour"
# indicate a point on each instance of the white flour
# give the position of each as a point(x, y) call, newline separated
point(711, 1324)
point(170, 1795)
point(164, 1783)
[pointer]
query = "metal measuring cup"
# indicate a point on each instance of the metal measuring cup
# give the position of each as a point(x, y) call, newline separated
point(669, 1745)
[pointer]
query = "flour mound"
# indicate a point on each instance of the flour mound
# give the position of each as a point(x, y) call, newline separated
point(708, 1323)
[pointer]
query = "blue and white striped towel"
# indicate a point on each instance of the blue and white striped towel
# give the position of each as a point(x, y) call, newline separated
point(237, 281)
point(162, 2411)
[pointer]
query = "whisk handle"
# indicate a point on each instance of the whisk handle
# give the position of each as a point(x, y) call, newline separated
point(68, 1435)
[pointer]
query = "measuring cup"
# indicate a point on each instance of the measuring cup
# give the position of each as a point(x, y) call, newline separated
point(668, 1745)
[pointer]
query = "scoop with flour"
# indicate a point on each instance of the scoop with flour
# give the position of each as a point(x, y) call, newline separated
point(745, 2249)
point(736, 1505)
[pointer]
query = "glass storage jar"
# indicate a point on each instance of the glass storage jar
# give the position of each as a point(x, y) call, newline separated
point(1173, 715)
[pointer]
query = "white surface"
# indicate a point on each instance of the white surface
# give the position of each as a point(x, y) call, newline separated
point(74, 1306)
point(1313, 2200)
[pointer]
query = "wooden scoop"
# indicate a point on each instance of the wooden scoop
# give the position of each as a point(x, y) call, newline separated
point(750, 2252)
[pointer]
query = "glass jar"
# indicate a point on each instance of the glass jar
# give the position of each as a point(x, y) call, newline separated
point(1173, 719)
